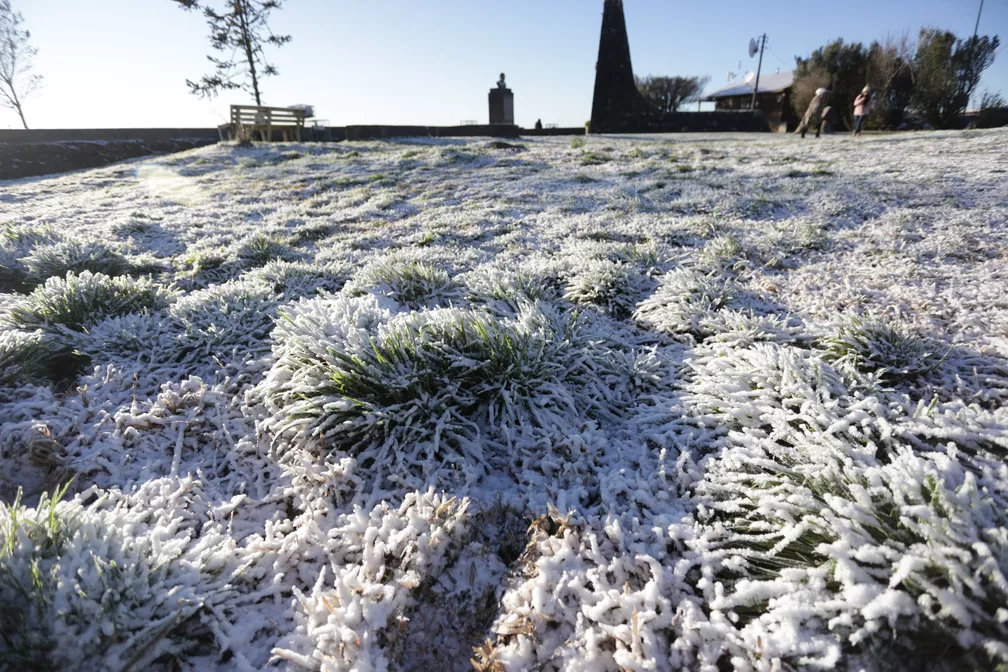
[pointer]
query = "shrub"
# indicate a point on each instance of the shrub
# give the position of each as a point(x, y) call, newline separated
point(57, 259)
point(80, 300)
point(577, 143)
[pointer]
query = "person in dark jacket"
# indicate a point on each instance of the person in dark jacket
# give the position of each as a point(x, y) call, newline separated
point(813, 115)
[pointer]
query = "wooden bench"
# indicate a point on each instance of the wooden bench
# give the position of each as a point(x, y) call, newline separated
point(264, 120)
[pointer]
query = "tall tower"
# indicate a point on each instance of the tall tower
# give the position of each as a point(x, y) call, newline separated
point(617, 105)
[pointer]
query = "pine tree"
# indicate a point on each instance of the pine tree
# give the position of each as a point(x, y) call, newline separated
point(241, 30)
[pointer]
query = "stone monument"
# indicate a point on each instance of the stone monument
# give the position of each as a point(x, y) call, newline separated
point(501, 104)
point(617, 105)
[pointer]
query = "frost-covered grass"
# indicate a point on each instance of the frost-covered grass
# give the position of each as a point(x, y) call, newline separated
point(610, 403)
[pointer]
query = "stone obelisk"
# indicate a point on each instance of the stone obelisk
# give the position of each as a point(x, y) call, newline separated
point(618, 106)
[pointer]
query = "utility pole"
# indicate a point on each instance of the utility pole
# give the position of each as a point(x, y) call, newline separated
point(976, 28)
point(759, 67)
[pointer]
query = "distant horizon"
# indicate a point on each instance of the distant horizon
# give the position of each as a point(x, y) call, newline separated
point(124, 65)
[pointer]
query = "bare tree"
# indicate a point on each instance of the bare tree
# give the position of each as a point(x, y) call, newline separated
point(668, 93)
point(890, 75)
point(16, 80)
point(241, 27)
point(991, 100)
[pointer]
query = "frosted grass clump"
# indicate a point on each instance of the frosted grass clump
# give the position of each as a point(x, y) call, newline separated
point(903, 561)
point(503, 291)
point(612, 287)
point(261, 248)
point(742, 328)
point(81, 300)
point(356, 614)
point(56, 259)
point(128, 580)
point(888, 351)
point(723, 251)
point(754, 387)
point(15, 244)
point(412, 284)
point(130, 341)
point(438, 376)
point(297, 279)
point(684, 300)
point(225, 325)
point(24, 356)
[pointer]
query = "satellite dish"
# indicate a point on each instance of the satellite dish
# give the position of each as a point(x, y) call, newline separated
point(753, 47)
point(749, 76)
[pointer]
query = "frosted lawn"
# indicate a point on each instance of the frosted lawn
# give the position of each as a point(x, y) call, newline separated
point(644, 403)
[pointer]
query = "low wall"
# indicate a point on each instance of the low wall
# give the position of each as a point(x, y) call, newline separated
point(716, 121)
point(29, 136)
point(569, 130)
point(25, 159)
point(380, 132)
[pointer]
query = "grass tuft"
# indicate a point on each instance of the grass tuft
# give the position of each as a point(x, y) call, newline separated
point(57, 259)
point(80, 300)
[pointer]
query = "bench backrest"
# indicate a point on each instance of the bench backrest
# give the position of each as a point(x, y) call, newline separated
point(250, 115)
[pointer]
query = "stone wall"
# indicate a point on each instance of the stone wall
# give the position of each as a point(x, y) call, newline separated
point(26, 153)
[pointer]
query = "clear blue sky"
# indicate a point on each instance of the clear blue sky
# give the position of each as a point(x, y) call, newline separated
point(123, 63)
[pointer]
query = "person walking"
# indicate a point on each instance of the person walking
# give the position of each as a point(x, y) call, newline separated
point(813, 115)
point(862, 106)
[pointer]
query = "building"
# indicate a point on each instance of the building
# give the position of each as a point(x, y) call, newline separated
point(773, 98)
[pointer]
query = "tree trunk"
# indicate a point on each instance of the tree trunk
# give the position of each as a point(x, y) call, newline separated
point(17, 106)
point(241, 9)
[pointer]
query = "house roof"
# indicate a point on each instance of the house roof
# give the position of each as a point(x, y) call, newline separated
point(768, 83)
